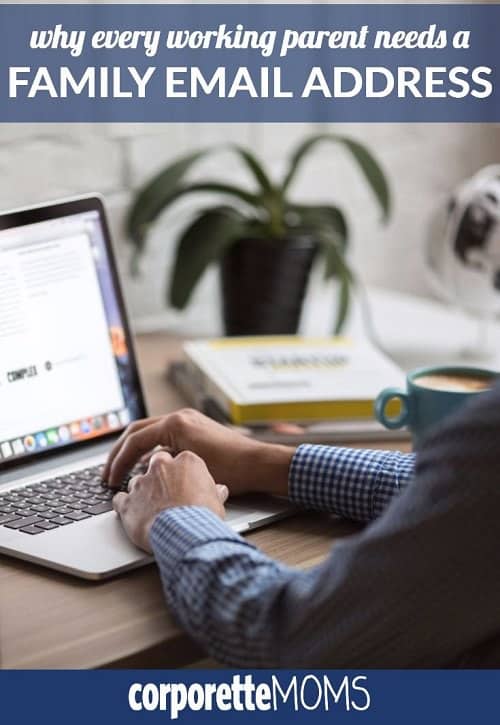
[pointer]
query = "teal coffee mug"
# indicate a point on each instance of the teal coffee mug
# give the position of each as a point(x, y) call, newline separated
point(432, 394)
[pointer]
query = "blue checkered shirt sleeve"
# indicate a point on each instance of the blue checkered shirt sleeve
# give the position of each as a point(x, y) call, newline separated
point(215, 583)
point(354, 483)
point(223, 590)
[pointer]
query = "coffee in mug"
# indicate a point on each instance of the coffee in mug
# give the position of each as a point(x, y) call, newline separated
point(454, 383)
point(431, 395)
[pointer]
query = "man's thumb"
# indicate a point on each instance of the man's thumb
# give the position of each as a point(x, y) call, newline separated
point(222, 492)
point(119, 501)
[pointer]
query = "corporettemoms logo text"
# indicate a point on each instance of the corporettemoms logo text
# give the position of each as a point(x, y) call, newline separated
point(296, 692)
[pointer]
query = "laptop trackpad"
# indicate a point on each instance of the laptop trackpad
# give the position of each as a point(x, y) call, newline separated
point(249, 512)
point(93, 549)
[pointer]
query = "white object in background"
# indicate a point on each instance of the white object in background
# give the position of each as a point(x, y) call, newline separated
point(463, 265)
point(415, 331)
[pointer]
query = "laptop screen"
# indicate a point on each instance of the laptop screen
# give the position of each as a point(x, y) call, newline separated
point(65, 365)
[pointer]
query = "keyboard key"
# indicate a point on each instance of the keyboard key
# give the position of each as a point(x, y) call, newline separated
point(12, 498)
point(40, 507)
point(5, 518)
point(67, 499)
point(46, 525)
point(105, 495)
point(85, 493)
point(77, 506)
point(22, 504)
point(76, 489)
point(63, 510)
point(49, 496)
point(7, 508)
point(47, 515)
point(31, 530)
point(19, 523)
point(78, 516)
point(57, 484)
point(25, 512)
point(101, 508)
point(14, 508)
point(61, 521)
point(54, 484)
point(54, 504)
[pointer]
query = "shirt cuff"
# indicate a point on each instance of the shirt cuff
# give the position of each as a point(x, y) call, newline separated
point(177, 531)
point(350, 482)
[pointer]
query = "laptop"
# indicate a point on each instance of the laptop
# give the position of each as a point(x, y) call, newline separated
point(69, 386)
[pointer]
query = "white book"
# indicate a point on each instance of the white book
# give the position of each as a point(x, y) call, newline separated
point(291, 378)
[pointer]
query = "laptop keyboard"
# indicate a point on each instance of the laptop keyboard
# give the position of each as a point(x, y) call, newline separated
point(59, 501)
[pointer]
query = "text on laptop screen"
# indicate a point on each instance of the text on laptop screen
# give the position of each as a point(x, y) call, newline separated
point(65, 371)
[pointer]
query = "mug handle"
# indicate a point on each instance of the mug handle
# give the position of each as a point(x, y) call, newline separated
point(381, 402)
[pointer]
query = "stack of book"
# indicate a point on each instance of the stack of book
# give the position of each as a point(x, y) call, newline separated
point(289, 388)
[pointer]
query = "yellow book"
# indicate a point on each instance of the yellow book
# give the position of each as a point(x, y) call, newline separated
point(291, 378)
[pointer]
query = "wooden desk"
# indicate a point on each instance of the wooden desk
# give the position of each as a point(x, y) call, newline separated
point(49, 620)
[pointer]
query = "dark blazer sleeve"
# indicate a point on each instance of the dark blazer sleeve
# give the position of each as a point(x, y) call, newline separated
point(419, 587)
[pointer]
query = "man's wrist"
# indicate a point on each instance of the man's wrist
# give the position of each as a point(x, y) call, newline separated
point(270, 465)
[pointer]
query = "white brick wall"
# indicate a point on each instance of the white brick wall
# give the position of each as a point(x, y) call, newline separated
point(423, 163)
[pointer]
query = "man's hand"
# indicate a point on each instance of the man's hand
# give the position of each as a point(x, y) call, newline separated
point(169, 482)
point(241, 463)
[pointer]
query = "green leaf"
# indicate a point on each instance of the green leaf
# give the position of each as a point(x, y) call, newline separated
point(216, 188)
point(366, 162)
point(255, 167)
point(156, 195)
point(373, 174)
point(137, 230)
point(201, 244)
point(336, 266)
point(326, 219)
point(343, 303)
point(335, 263)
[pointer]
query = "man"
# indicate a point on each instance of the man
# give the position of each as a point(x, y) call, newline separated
point(418, 587)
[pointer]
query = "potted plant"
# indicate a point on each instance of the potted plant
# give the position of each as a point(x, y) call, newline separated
point(264, 241)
